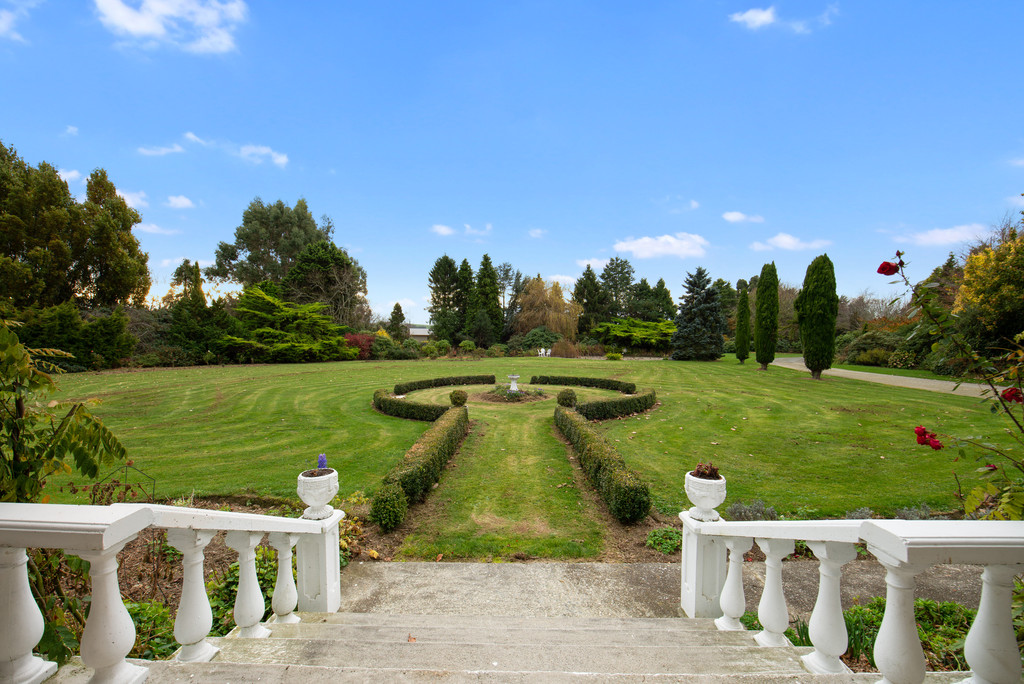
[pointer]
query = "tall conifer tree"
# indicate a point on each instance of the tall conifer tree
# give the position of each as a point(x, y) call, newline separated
point(443, 282)
point(817, 306)
point(766, 321)
point(743, 326)
point(700, 323)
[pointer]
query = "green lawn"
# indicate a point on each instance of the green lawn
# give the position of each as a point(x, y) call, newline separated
point(804, 446)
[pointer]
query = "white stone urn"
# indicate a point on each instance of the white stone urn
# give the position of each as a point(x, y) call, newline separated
point(706, 496)
point(316, 489)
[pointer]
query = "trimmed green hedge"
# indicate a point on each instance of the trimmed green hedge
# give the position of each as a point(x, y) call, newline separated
point(616, 408)
point(421, 466)
point(402, 408)
point(600, 383)
point(626, 494)
point(413, 385)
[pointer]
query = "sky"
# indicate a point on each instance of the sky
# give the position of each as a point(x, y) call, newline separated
point(715, 133)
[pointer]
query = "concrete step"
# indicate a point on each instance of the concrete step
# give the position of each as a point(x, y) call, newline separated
point(510, 622)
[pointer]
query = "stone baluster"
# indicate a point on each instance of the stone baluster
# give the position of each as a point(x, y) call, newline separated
point(772, 610)
point(22, 627)
point(827, 626)
point(194, 619)
point(898, 653)
point(991, 645)
point(733, 602)
point(109, 631)
point(249, 604)
point(286, 596)
point(319, 568)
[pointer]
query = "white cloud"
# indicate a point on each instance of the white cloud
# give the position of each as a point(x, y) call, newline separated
point(18, 10)
point(200, 26)
point(740, 217)
point(406, 304)
point(154, 229)
point(787, 241)
point(754, 19)
point(161, 151)
point(564, 280)
point(694, 204)
point(71, 130)
point(681, 245)
point(257, 153)
point(180, 202)
point(473, 231)
point(135, 200)
point(596, 264)
point(442, 230)
point(1017, 162)
point(192, 137)
point(70, 176)
point(537, 232)
point(946, 236)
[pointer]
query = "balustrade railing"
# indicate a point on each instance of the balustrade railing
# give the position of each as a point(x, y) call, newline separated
point(98, 533)
point(712, 586)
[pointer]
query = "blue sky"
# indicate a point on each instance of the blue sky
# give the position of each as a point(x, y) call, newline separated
point(712, 133)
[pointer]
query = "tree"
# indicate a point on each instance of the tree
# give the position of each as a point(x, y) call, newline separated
point(663, 300)
point(992, 291)
point(742, 326)
point(506, 278)
point(700, 323)
point(325, 273)
point(464, 294)
point(766, 321)
point(617, 279)
point(512, 309)
point(54, 249)
point(396, 324)
point(268, 243)
point(487, 296)
point(817, 306)
point(545, 305)
point(443, 281)
point(726, 295)
point(481, 330)
point(593, 300)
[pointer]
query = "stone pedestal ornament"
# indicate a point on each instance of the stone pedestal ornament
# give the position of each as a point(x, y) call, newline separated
point(316, 491)
point(705, 495)
point(513, 387)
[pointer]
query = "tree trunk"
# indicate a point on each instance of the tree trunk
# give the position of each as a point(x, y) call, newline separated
point(764, 367)
point(816, 374)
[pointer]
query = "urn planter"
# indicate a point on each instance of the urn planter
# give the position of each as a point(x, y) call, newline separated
point(706, 496)
point(316, 489)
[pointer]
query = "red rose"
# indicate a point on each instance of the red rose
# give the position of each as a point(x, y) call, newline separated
point(922, 439)
point(888, 268)
point(1013, 394)
point(934, 444)
point(920, 431)
point(990, 467)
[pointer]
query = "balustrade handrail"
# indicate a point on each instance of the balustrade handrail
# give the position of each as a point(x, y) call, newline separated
point(806, 530)
point(180, 517)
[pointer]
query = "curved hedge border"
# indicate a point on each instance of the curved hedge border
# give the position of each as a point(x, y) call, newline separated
point(600, 383)
point(626, 494)
point(421, 466)
point(401, 408)
point(413, 385)
point(616, 408)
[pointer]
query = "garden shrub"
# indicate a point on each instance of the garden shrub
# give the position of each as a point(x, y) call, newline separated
point(567, 398)
point(443, 347)
point(467, 346)
point(540, 337)
point(429, 349)
point(413, 385)
point(458, 397)
point(755, 510)
point(613, 356)
point(872, 357)
point(421, 466)
point(382, 347)
point(573, 381)
point(628, 497)
point(616, 408)
point(362, 342)
point(389, 507)
point(401, 408)
point(902, 359)
point(154, 630)
point(665, 539)
point(565, 349)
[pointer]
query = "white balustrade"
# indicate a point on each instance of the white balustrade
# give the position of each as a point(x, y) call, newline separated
point(827, 628)
point(733, 601)
point(772, 611)
point(98, 533)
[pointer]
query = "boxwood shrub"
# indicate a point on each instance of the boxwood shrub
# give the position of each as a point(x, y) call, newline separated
point(413, 385)
point(402, 408)
point(626, 494)
point(389, 507)
point(421, 466)
point(600, 383)
point(616, 408)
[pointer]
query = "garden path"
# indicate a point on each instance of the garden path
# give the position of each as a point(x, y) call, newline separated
point(967, 389)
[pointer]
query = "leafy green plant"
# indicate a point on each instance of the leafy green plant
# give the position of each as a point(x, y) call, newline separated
point(389, 507)
point(613, 356)
point(665, 539)
point(154, 630)
point(567, 398)
point(506, 393)
point(223, 589)
point(458, 397)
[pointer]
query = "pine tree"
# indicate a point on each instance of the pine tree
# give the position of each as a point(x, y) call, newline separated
point(488, 299)
point(817, 306)
point(666, 307)
point(743, 326)
point(617, 280)
point(444, 317)
point(700, 323)
point(593, 299)
point(766, 322)
point(464, 295)
point(396, 324)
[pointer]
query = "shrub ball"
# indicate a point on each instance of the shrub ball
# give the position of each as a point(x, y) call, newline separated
point(389, 507)
point(458, 397)
point(567, 398)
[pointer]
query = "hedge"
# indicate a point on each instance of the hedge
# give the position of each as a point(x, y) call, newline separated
point(413, 385)
point(615, 408)
point(626, 494)
point(401, 408)
point(421, 466)
point(600, 383)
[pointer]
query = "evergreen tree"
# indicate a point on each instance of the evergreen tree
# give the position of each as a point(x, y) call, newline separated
point(766, 321)
point(443, 282)
point(481, 330)
point(666, 307)
point(817, 306)
point(642, 304)
point(325, 273)
point(593, 300)
point(464, 295)
point(742, 326)
point(513, 306)
point(617, 280)
point(396, 324)
point(700, 324)
point(487, 295)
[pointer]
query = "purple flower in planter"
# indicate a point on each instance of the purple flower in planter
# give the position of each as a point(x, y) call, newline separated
point(321, 462)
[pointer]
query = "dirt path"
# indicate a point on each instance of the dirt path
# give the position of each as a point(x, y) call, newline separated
point(967, 389)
